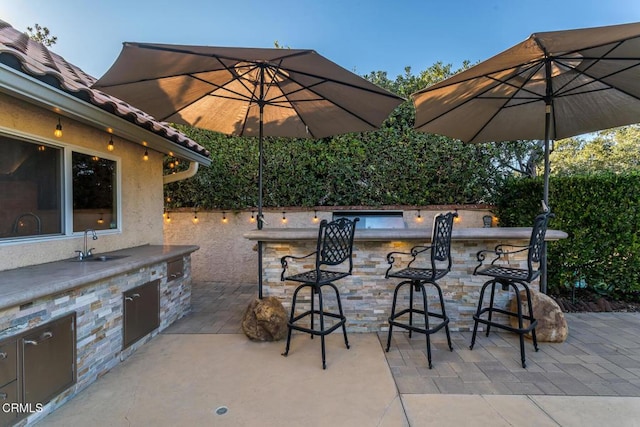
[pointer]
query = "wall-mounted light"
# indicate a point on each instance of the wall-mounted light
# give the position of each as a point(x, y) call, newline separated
point(58, 132)
point(101, 219)
point(145, 156)
point(315, 216)
point(224, 217)
point(457, 219)
point(284, 218)
point(195, 219)
point(110, 145)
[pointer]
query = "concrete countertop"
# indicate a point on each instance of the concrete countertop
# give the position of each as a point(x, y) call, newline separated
point(390, 234)
point(25, 284)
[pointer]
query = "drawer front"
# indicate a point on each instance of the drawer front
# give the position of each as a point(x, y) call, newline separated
point(8, 395)
point(8, 362)
point(175, 269)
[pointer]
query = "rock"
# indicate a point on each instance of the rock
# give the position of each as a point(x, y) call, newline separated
point(604, 305)
point(265, 320)
point(552, 326)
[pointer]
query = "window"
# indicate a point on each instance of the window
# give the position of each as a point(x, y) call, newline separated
point(30, 189)
point(35, 192)
point(94, 192)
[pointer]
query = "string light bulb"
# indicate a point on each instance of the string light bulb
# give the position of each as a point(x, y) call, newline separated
point(110, 145)
point(224, 217)
point(195, 219)
point(145, 156)
point(58, 132)
point(315, 216)
point(253, 218)
point(101, 219)
point(284, 218)
point(419, 216)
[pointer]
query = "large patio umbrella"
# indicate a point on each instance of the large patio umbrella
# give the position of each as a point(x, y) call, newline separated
point(551, 86)
point(247, 92)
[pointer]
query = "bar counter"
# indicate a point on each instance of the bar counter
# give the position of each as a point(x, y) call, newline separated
point(366, 295)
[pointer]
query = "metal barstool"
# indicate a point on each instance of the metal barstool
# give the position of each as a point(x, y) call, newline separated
point(509, 277)
point(417, 277)
point(334, 247)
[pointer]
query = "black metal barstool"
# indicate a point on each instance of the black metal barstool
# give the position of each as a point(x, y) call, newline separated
point(417, 277)
point(509, 277)
point(334, 247)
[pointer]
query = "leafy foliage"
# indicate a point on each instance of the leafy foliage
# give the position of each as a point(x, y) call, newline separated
point(601, 214)
point(41, 34)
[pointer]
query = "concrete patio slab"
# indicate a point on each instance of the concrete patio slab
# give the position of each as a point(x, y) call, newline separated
point(183, 379)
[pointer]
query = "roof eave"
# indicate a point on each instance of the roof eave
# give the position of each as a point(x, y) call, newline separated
point(32, 90)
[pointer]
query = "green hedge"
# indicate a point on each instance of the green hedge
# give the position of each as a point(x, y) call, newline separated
point(385, 167)
point(601, 214)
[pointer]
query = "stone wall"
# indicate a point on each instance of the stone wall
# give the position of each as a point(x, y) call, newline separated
point(99, 320)
point(367, 296)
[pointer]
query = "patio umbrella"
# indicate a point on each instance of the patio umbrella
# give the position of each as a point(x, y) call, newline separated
point(551, 86)
point(247, 92)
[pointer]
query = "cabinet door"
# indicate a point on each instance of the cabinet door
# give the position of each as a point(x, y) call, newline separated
point(141, 311)
point(48, 360)
point(8, 395)
point(8, 361)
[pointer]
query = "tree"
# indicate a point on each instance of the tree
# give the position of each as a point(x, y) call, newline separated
point(42, 35)
point(615, 150)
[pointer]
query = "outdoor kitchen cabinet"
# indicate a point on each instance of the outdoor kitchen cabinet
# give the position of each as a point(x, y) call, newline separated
point(141, 311)
point(175, 269)
point(8, 379)
point(48, 360)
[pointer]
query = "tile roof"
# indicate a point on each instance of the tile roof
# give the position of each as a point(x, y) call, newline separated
point(18, 51)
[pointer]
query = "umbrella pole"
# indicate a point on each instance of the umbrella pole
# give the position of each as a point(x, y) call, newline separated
point(260, 218)
point(260, 204)
point(545, 195)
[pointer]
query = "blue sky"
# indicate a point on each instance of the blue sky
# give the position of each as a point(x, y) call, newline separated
point(362, 36)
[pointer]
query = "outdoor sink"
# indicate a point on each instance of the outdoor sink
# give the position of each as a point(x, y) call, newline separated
point(100, 258)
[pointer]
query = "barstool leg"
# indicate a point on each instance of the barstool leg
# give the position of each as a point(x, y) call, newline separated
point(343, 319)
point(321, 308)
point(533, 330)
point(444, 315)
point(314, 291)
point(411, 306)
point(426, 321)
point(393, 313)
point(491, 300)
point(477, 316)
point(291, 316)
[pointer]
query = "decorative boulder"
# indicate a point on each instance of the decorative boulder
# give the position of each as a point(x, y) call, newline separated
point(265, 320)
point(552, 326)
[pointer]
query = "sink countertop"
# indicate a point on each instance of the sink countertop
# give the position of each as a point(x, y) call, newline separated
point(25, 284)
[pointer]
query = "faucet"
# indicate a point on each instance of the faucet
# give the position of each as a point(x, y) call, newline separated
point(85, 253)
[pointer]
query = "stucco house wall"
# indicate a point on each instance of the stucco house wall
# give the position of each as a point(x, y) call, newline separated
point(141, 181)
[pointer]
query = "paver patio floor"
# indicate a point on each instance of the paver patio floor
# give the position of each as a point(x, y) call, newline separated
point(601, 356)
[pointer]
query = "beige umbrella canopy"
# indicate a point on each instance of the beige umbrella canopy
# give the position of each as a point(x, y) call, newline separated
point(247, 92)
point(551, 86)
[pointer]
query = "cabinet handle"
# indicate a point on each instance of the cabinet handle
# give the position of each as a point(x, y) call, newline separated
point(128, 299)
point(3, 355)
point(45, 336)
point(174, 275)
point(136, 295)
point(3, 396)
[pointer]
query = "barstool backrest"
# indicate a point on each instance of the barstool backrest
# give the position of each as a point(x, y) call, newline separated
point(536, 243)
point(335, 242)
point(441, 239)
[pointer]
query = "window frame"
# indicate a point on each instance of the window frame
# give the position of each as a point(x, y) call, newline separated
point(66, 190)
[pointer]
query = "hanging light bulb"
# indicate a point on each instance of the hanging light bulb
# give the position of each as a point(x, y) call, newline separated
point(315, 216)
point(284, 218)
point(419, 216)
point(110, 145)
point(253, 218)
point(58, 132)
point(224, 216)
point(101, 219)
point(195, 219)
point(145, 156)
